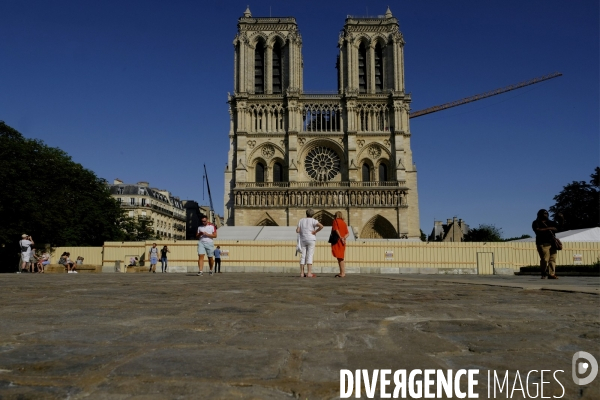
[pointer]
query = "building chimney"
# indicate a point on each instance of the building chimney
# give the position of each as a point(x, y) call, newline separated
point(145, 184)
point(117, 181)
point(448, 222)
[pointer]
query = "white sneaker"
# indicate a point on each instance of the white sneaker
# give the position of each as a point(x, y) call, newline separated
point(199, 273)
point(69, 272)
point(74, 272)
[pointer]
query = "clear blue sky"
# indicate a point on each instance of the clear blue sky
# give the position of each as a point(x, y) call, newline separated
point(137, 90)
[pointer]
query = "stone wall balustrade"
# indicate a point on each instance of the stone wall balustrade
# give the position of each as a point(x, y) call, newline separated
point(320, 198)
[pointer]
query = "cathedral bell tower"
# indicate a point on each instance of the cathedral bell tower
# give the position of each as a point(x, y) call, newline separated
point(347, 152)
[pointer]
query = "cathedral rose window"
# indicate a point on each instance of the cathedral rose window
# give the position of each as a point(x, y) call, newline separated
point(322, 164)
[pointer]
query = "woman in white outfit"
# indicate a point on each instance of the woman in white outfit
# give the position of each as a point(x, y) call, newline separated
point(307, 230)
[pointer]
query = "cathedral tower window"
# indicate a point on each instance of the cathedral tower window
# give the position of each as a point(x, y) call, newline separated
point(277, 172)
point(378, 68)
point(322, 164)
point(383, 172)
point(260, 172)
point(362, 68)
point(259, 68)
point(366, 173)
point(277, 77)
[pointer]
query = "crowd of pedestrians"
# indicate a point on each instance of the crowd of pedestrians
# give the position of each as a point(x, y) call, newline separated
point(34, 261)
point(307, 229)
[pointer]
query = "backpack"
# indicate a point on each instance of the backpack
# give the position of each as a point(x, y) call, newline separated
point(24, 249)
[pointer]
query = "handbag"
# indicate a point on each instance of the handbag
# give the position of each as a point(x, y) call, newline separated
point(298, 246)
point(334, 237)
point(557, 243)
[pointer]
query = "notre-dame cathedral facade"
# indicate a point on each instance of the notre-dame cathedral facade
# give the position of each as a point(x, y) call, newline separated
point(349, 151)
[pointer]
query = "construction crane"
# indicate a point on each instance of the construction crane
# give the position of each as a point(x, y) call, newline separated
point(214, 221)
point(484, 95)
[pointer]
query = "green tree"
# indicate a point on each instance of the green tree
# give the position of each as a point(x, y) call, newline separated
point(484, 233)
point(579, 203)
point(525, 236)
point(48, 196)
point(137, 229)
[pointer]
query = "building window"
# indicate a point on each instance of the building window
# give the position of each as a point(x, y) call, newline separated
point(120, 200)
point(259, 68)
point(143, 213)
point(383, 172)
point(322, 164)
point(378, 68)
point(131, 214)
point(366, 173)
point(277, 76)
point(143, 202)
point(277, 172)
point(260, 173)
point(132, 201)
point(120, 190)
point(362, 68)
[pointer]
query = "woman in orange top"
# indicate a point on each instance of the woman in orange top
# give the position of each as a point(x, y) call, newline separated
point(339, 248)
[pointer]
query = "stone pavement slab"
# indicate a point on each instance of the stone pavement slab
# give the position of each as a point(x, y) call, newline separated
point(578, 284)
point(277, 336)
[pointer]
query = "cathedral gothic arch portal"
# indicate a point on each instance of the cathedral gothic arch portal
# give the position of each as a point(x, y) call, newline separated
point(265, 220)
point(324, 217)
point(378, 228)
point(348, 151)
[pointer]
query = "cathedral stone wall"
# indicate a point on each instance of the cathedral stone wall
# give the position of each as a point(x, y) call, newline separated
point(350, 151)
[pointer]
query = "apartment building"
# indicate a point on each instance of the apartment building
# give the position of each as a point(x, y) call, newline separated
point(141, 201)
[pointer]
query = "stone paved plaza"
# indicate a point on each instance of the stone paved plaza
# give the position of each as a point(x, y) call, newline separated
point(267, 336)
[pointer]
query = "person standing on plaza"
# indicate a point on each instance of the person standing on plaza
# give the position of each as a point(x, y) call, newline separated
point(25, 244)
point(338, 249)
point(218, 260)
point(206, 233)
point(153, 255)
point(163, 258)
point(544, 230)
point(33, 259)
point(307, 229)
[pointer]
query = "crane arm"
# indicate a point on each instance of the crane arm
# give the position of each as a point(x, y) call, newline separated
point(210, 197)
point(484, 95)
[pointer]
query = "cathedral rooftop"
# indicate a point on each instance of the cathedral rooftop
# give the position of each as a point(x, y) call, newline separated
point(387, 17)
point(248, 18)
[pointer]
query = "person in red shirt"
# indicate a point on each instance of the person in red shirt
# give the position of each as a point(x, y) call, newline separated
point(338, 249)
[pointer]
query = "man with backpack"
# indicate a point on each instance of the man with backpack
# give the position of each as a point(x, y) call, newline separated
point(25, 243)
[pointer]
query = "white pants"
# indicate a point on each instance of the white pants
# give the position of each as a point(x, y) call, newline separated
point(308, 249)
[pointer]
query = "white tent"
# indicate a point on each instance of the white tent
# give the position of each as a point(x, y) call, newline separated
point(269, 233)
point(576, 235)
